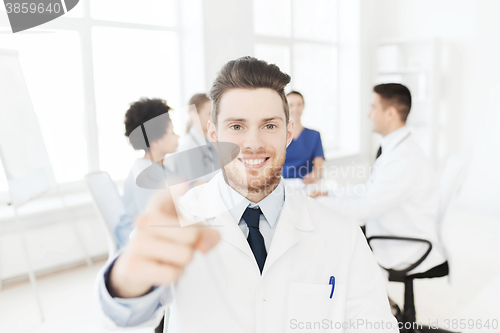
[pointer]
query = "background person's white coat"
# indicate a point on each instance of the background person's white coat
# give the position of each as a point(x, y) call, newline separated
point(401, 198)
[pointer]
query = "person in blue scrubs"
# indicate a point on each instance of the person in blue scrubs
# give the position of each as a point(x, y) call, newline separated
point(304, 155)
point(148, 173)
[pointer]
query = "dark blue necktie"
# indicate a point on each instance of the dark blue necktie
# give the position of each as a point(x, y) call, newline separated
point(379, 152)
point(255, 239)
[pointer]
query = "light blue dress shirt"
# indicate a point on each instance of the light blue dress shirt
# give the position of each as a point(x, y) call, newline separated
point(127, 312)
point(270, 206)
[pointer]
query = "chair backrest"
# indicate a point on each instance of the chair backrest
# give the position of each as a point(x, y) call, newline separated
point(451, 179)
point(108, 202)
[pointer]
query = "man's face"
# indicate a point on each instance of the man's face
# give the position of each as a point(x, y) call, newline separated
point(168, 142)
point(296, 104)
point(378, 115)
point(255, 121)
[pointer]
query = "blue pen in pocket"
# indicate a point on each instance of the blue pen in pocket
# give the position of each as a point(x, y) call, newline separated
point(332, 282)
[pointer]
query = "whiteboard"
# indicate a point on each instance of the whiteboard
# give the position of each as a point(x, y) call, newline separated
point(22, 150)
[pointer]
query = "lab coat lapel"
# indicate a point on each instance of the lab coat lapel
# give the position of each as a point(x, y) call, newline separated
point(294, 217)
point(202, 203)
point(209, 206)
point(230, 232)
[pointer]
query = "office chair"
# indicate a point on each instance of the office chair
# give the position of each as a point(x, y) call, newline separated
point(109, 206)
point(450, 181)
point(108, 202)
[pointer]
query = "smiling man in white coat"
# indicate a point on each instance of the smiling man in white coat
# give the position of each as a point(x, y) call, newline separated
point(401, 197)
point(271, 260)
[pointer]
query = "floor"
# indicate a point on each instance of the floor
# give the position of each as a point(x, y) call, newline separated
point(66, 299)
point(471, 296)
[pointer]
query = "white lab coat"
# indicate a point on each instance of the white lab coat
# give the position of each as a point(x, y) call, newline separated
point(223, 291)
point(401, 198)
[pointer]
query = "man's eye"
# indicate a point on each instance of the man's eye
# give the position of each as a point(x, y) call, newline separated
point(270, 126)
point(236, 127)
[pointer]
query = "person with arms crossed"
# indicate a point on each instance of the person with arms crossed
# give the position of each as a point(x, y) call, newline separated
point(401, 196)
point(275, 260)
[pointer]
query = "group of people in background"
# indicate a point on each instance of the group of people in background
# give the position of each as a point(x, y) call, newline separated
point(399, 199)
point(304, 156)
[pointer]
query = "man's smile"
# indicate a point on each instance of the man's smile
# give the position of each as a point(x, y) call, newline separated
point(253, 162)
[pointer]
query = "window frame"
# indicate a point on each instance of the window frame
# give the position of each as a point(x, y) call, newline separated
point(83, 26)
point(290, 42)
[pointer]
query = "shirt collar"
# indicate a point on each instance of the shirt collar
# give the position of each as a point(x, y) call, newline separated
point(236, 203)
point(391, 140)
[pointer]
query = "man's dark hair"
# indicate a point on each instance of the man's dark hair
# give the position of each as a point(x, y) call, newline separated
point(296, 93)
point(248, 73)
point(397, 95)
point(141, 112)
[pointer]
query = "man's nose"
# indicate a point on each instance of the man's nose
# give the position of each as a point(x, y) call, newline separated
point(253, 140)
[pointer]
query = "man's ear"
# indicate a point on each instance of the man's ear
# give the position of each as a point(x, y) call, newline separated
point(290, 128)
point(393, 112)
point(212, 131)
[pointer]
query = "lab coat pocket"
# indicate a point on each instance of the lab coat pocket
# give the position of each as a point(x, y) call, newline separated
point(310, 306)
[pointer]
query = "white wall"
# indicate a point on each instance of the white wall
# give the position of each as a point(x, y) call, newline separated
point(192, 48)
point(350, 107)
point(469, 31)
point(228, 32)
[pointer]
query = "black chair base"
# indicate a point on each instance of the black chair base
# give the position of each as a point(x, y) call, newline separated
point(407, 318)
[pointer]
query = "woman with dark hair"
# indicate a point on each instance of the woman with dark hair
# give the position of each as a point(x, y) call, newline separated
point(304, 155)
point(149, 128)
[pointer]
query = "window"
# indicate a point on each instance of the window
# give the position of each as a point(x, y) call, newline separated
point(138, 63)
point(153, 12)
point(85, 68)
point(300, 36)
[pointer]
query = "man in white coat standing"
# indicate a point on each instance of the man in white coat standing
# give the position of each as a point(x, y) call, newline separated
point(401, 197)
point(270, 260)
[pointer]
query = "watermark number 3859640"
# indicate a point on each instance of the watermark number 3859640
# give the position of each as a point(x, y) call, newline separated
point(24, 14)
